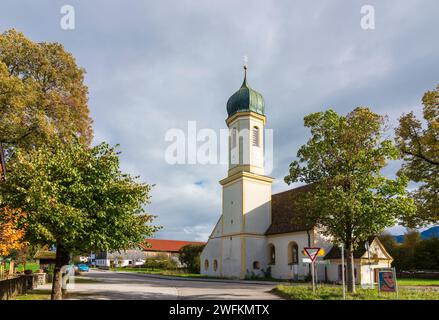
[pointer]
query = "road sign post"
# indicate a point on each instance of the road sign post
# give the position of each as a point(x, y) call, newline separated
point(312, 253)
point(367, 247)
point(342, 271)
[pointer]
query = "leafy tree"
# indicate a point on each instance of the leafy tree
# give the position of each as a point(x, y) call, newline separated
point(190, 256)
point(350, 199)
point(389, 242)
point(413, 253)
point(426, 254)
point(11, 234)
point(420, 147)
point(42, 94)
point(77, 199)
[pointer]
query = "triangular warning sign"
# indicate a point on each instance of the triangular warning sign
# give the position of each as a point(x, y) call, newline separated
point(312, 252)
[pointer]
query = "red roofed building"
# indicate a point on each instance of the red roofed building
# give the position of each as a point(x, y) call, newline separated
point(153, 247)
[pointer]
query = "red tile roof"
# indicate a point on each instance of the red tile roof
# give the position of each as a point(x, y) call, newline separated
point(166, 245)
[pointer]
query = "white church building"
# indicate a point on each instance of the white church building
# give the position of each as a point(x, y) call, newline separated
point(259, 233)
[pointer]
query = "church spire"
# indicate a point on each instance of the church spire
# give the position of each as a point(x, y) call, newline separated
point(244, 83)
point(245, 99)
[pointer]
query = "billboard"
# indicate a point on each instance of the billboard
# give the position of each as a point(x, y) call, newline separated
point(387, 281)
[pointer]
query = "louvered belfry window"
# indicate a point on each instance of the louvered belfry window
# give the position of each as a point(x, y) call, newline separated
point(255, 136)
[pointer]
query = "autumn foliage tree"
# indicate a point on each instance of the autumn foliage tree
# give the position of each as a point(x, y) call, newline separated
point(11, 230)
point(42, 97)
point(42, 94)
point(419, 145)
point(76, 199)
point(349, 198)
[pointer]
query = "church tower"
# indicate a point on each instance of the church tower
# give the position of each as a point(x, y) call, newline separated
point(246, 203)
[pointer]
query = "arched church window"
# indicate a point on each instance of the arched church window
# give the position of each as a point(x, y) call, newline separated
point(215, 265)
point(234, 137)
point(293, 253)
point(255, 137)
point(256, 265)
point(272, 254)
point(206, 264)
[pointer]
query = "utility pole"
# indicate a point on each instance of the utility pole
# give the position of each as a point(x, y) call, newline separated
point(342, 271)
point(368, 258)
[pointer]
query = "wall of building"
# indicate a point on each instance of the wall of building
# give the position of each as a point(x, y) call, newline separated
point(256, 256)
point(231, 256)
point(210, 253)
point(232, 208)
point(257, 206)
point(282, 269)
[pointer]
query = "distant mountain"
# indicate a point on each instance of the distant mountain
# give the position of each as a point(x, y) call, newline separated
point(432, 232)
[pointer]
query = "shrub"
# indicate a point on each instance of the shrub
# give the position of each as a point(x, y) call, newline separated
point(190, 256)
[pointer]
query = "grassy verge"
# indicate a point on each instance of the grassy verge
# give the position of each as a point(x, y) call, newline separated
point(20, 267)
point(85, 280)
point(417, 282)
point(35, 295)
point(329, 292)
point(184, 274)
point(175, 273)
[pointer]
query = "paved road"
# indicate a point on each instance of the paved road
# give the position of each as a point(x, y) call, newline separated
point(113, 285)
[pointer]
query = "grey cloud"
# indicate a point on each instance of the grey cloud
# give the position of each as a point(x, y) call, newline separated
point(155, 65)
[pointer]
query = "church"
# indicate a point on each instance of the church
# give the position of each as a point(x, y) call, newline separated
point(260, 234)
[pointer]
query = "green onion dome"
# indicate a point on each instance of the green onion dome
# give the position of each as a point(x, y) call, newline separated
point(246, 99)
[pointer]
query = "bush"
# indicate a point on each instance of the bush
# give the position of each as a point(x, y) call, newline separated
point(190, 257)
point(161, 261)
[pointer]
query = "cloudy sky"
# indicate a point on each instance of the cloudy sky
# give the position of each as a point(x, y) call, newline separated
point(154, 65)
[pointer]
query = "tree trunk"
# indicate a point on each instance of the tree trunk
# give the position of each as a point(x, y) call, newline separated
point(350, 269)
point(62, 259)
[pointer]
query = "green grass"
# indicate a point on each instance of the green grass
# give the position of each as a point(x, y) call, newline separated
point(333, 292)
point(174, 273)
point(35, 295)
point(29, 266)
point(86, 280)
point(418, 282)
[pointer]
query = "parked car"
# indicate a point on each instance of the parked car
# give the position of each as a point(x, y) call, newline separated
point(82, 267)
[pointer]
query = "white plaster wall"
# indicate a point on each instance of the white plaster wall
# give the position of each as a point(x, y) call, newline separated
point(245, 153)
point(211, 252)
point(232, 208)
point(218, 231)
point(333, 272)
point(281, 269)
point(256, 250)
point(231, 257)
point(257, 206)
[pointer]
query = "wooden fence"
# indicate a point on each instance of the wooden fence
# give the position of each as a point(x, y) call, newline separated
point(419, 274)
point(9, 288)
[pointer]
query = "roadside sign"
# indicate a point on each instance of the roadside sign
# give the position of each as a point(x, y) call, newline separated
point(308, 260)
point(387, 281)
point(312, 252)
